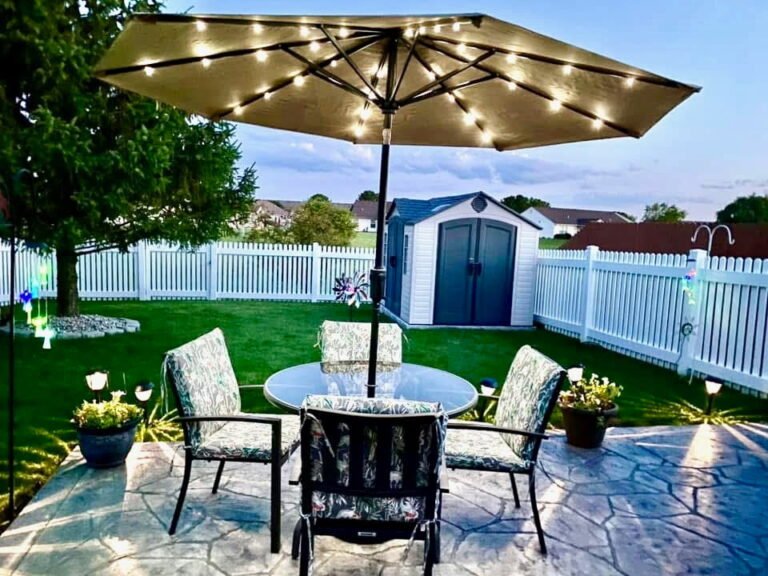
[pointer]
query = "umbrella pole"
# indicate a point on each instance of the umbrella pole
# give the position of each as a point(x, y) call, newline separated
point(378, 273)
point(11, 368)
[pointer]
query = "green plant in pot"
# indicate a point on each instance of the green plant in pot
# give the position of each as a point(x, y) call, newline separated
point(587, 406)
point(106, 430)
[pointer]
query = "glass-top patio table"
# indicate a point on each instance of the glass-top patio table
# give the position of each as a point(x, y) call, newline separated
point(289, 387)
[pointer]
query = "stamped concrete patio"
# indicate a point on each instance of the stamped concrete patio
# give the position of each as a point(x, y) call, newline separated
point(662, 500)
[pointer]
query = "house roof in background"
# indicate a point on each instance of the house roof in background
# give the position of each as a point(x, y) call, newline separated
point(579, 217)
point(270, 208)
point(292, 205)
point(666, 238)
point(412, 211)
point(367, 209)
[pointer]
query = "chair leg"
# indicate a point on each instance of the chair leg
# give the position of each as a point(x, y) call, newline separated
point(305, 550)
point(218, 477)
point(429, 549)
point(296, 543)
point(274, 522)
point(182, 493)
point(534, 505)
point(514, 489)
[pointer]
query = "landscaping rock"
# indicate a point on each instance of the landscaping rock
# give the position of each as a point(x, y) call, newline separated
point(83, 326)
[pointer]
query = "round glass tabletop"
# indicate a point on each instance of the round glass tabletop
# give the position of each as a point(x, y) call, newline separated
point(289, 387)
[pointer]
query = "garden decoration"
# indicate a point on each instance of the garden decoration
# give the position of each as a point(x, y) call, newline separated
point(411, 80)
point(689, 286)
point(26, 304)
point(587, 406)
point(352, 291)
point(713, 387)
point(711, 233)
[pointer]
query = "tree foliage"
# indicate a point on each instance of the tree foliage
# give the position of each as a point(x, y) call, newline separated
point(663, 212)
point(745, 209)
point(520, 203)
point(319, 197)
point(369, 195)
point(628, 216)
point(111, 167)
point(320, 221)
point(266, 231)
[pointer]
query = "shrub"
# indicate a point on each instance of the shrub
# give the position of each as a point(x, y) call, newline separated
point(596, 394)
point(102, 415)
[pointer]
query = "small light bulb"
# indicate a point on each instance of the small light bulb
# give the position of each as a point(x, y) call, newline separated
point(200, 25)
point(343, 32)
point(304, 31)
point(512, 86)
point(469, 118)
point(567, 69)
point(451, 97)
point(359, 130)
point(511, 58)
point(334, 63)
point(597, 123)
point(267, 95)
point(431, 75)
point(299, 80)
point(261, 55)
point(437, 28)
point(437, 69)
point(257, 28)
point(205, 62)
point(486, 136)
point(461, 47)
point(237, 110)
point(555, 105)
point(365, 113)
point(381, 72)
point(422, 29)
point(629, 81)
point(149, 71)
point(456, 27)
point(408, 33)
point(314, 46)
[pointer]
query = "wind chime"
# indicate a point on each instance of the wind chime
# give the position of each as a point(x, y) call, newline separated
point(38, 283)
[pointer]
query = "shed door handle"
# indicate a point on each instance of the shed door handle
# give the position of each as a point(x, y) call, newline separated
point(478, 268)
point(471, 267)
point(393, 261)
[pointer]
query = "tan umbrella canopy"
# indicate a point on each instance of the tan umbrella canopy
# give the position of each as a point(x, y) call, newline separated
point(456, 80)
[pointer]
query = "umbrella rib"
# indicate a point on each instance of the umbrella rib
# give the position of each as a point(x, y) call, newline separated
point(349, 60)
point(404, 71)
point(319, 71)
point(445, 90)
point(537, 92)
point(439, 81)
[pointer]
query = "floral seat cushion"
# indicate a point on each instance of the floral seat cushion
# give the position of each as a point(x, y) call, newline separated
point(350, 342)
point(249, 441)
point(481, 450)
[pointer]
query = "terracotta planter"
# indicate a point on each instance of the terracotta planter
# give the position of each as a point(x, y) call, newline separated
point(106, 448)
point(586, 428)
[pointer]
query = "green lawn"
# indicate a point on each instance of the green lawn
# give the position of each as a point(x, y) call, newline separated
point(364, 240)
point(264, 337)
point(551, 243)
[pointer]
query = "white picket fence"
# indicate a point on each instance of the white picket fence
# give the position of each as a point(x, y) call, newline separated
point(635, 304)
point(222, 270)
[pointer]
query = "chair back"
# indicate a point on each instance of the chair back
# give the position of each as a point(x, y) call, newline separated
point(343, 342)
point(373, 460)
point(528, 398)
point(203, 383)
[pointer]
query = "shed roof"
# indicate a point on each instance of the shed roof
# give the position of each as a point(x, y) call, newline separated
point(413, 211)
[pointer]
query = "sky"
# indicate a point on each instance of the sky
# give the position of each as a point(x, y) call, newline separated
point(706, 152)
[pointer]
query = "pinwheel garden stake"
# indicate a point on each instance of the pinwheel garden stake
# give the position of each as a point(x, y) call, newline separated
point(351, 291)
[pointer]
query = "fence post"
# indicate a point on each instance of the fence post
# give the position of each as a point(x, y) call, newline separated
point(316, 254)
point(142, 283)
point(696, 263)
point(213, 270)
point(588, 288)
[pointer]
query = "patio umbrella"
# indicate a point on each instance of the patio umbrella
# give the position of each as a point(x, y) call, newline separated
point(455, 80)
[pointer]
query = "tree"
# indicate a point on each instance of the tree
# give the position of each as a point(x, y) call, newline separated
point(628, 216)
point(111, 168)
point(266, 231)
point(663, 212)
point(745, 209)
point(320, 221)
point(520, 203)
point(369, 195)
point(319, 197)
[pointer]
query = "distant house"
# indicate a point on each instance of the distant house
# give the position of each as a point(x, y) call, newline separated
point(366, 214)
point(279, 216)
point(751, 240)
point(554, 221)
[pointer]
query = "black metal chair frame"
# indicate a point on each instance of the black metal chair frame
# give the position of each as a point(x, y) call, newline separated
point(537, 436)
point(368, 531)
point(276, 461)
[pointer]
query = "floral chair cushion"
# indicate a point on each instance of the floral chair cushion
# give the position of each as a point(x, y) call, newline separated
point(531, 382)
point(350, 342)
point(333, 505)
point(205, 382)
point(482, 450)
point(248, 441)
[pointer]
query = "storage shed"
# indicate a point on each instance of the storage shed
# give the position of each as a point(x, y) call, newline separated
point(460, 261)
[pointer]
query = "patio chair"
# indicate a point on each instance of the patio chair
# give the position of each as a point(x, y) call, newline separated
point(511, 446)
point(208, 401)
point(349, 342)
point(370, 472)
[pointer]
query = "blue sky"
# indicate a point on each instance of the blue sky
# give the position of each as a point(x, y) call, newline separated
point(711, 149)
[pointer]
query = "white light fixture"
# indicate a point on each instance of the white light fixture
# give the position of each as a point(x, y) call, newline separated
point(713, 385)
point(511, 58)
point(437, 28)
point(555, 105)
point(359, 130)
point(408, 33)
point(257, 28)
point(381, 72)
point(437, 69)
point(205, 62)
point(456, 26)
point(451, 97)
point(486, 137)
point(304, 31)
point(629, 81)
point(143, 391)
point(422, 29)
point(334, 63)
point(96, 382)
point(343, 32)
point(149, 71)
point(267, 95)
point(431, 75)
point(365, 113)
point(299, 80)
point(314, 46)
point(237, 110)
point(461, 47)
point(469, 118)
point(597, 123)
point(512, 86)
point(261, 55)
point(567, 69)
point(200, 25)
point(575, 373)
point(488, 386)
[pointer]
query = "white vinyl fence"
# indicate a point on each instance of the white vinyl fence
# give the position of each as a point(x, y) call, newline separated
point(635, 304)
point(223, 270)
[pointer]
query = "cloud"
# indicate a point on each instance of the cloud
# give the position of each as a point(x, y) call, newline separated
point(738, 183)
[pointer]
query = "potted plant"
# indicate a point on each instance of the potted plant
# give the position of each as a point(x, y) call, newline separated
point(106, 430)
point(587, 406)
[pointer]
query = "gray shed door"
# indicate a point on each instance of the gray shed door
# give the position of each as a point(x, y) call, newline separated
point(475, 266)
point(394, 286)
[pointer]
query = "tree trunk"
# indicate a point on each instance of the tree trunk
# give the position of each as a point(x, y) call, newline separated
point(67, 299)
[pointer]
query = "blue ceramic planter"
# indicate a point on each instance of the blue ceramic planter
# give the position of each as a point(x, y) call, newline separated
point(108, 447)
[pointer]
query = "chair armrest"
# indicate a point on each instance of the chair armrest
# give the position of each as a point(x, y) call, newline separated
point(249, 386)
point(444, 485)
point(488, 396)
point(234, 418)
point(482, 426)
